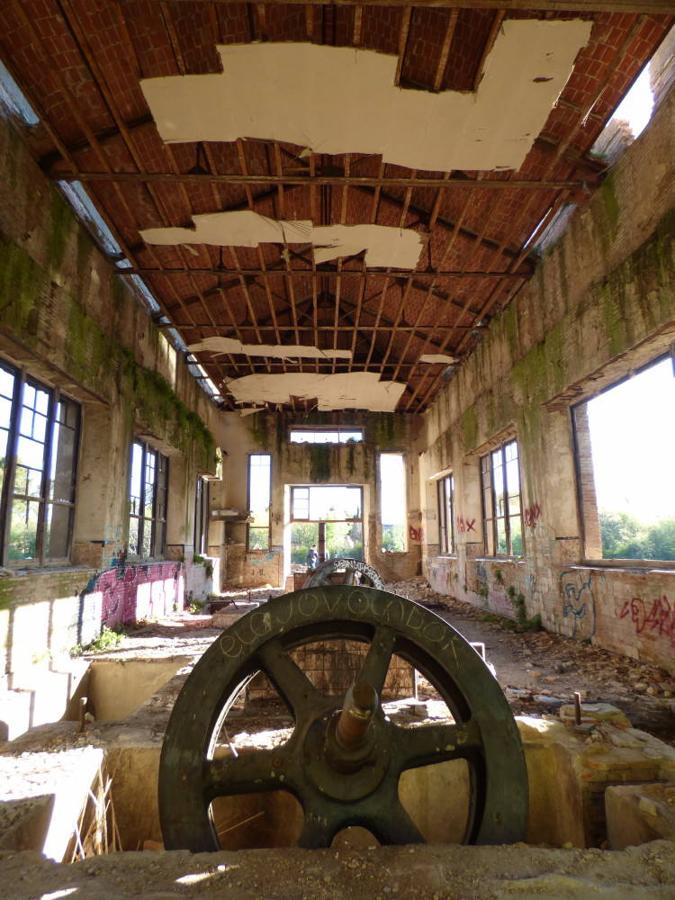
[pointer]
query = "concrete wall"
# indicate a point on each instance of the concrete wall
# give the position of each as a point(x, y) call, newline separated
point(355, 464)
point(601, 304)
point(70, 322)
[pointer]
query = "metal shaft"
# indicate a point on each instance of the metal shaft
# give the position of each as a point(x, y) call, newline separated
point(361, 702)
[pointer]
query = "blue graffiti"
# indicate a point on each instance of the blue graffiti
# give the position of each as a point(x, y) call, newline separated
point(577, 602)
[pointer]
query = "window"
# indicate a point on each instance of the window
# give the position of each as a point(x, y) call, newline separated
point(326, 435)
point(39, 432)
point(147, 502)
point(201, 531)
point(502, 517)
point(446, 513)
point(393, 502)
point(259, 494)
point(329, 518)
point(624, 448)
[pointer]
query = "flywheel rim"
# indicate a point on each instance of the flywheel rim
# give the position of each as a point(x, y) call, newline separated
point(263, 639)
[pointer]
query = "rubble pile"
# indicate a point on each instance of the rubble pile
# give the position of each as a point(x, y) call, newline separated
point(540, 672)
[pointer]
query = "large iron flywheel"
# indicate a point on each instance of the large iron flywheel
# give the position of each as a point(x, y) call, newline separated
point(355, 571)
point(344, 757)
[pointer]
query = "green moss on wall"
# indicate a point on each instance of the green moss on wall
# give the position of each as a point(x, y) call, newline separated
point(22, 281)
point(387, 431)
point(510, 320)
point(157, 405)
point(610, 204)
point(470, 428)
point(320, 457)
point(61, 222)
point(257, 424)
point(89, 351)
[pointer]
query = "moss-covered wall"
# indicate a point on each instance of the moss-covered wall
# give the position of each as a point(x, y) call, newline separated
point(70, 321)
point(601, 303)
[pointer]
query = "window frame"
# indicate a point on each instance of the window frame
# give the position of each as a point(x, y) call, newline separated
point(249, 527)
point(200, 535)
point(308, 487)
point(327, 429)
point(491, 522)
point(8, 495)
point(157, 542)
point(446, 536)
point(581, 503)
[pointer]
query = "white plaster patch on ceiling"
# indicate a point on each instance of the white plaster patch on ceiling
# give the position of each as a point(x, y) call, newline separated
point(344, 100)
point(273, 351)
point(437, 358)
point(385, 246)
point(343, 390)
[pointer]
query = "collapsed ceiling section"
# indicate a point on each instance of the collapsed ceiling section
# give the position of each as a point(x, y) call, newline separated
point(346, 390)
point(385, 247)
point(341, 100)
point(329, 202)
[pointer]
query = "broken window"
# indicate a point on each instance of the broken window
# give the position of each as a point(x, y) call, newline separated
point(201, 530)
point(147, 502)
point(393, 502)
point(502, 515)
point(259, 495)
point(446, 513)
point(38, 455)
point(624, 449)
point(326, 435)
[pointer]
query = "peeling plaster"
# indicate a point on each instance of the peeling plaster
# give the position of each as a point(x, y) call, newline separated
point(344, 100)
point(437, 358)
point(385, 246)
point(292, 351)
point(345, 390)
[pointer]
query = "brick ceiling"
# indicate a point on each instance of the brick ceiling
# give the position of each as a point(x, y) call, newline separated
point(80, 61)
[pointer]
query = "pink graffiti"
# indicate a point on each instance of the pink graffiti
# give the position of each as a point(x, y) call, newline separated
point(659, 618)
point(415, 534)
point(531, 515)
point(130, 592)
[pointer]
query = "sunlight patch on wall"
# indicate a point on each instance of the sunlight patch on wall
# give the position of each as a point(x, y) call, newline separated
point(221, 345)
point(344, 100)
point(385, 246)
point(344, 390)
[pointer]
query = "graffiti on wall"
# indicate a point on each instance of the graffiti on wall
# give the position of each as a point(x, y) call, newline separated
point(531, 515)
point(656, 618)
point(130, 593)
point(576, 590)
point(464, 525)
point(415, 534)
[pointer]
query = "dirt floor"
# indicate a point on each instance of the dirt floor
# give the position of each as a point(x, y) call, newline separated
point(429, 872)
point(538, 671)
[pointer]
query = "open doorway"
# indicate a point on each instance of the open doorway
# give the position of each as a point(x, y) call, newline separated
point(328, 518)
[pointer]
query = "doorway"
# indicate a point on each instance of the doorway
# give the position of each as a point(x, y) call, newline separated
point(329, 518)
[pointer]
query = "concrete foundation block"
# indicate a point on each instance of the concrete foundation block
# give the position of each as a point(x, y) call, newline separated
point(639, 813)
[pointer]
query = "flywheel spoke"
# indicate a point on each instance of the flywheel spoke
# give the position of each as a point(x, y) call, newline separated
point(249, 773)
point(429, 744)
point(394, 826)
point(376, 664)
point(289, 679)
point(318, 831)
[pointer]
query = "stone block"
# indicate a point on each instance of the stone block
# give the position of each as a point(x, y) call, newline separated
point(638, 813)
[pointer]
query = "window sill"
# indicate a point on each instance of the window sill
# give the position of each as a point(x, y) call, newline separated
point(518, 560)
point(16, 571)
point(642, 565)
